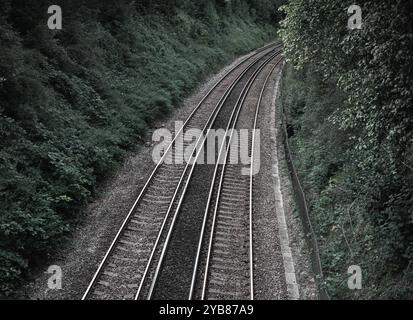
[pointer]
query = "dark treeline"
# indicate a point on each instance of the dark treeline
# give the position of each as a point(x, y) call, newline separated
point(350, 108)
point(73, 101)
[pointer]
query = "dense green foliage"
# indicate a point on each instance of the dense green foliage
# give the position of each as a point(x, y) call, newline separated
point(72, 102)
point(349, 103)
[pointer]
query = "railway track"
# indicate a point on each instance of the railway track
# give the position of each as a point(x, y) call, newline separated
point(133, 262)
point(226, 241)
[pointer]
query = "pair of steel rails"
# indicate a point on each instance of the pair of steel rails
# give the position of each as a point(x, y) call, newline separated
point(270, 51)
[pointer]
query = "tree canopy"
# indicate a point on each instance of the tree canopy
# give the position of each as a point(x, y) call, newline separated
point(353, 131)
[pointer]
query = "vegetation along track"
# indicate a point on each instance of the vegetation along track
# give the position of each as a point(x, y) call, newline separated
point(135, 256)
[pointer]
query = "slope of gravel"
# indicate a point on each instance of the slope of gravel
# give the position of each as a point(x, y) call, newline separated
point(268, 260)
point(101, 220)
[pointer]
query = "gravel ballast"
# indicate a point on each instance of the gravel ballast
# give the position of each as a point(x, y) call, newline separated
point(101, 220)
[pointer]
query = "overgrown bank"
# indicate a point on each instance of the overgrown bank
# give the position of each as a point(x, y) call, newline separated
point(72, 102)
point(349, 105)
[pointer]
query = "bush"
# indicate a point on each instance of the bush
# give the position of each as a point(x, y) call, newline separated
point(74, 101)
point(349, 103)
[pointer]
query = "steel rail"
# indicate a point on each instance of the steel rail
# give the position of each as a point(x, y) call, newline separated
point(209, 122)
point(121, 229)
point(177, 211)
point(214, 215)
point(213, 222)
